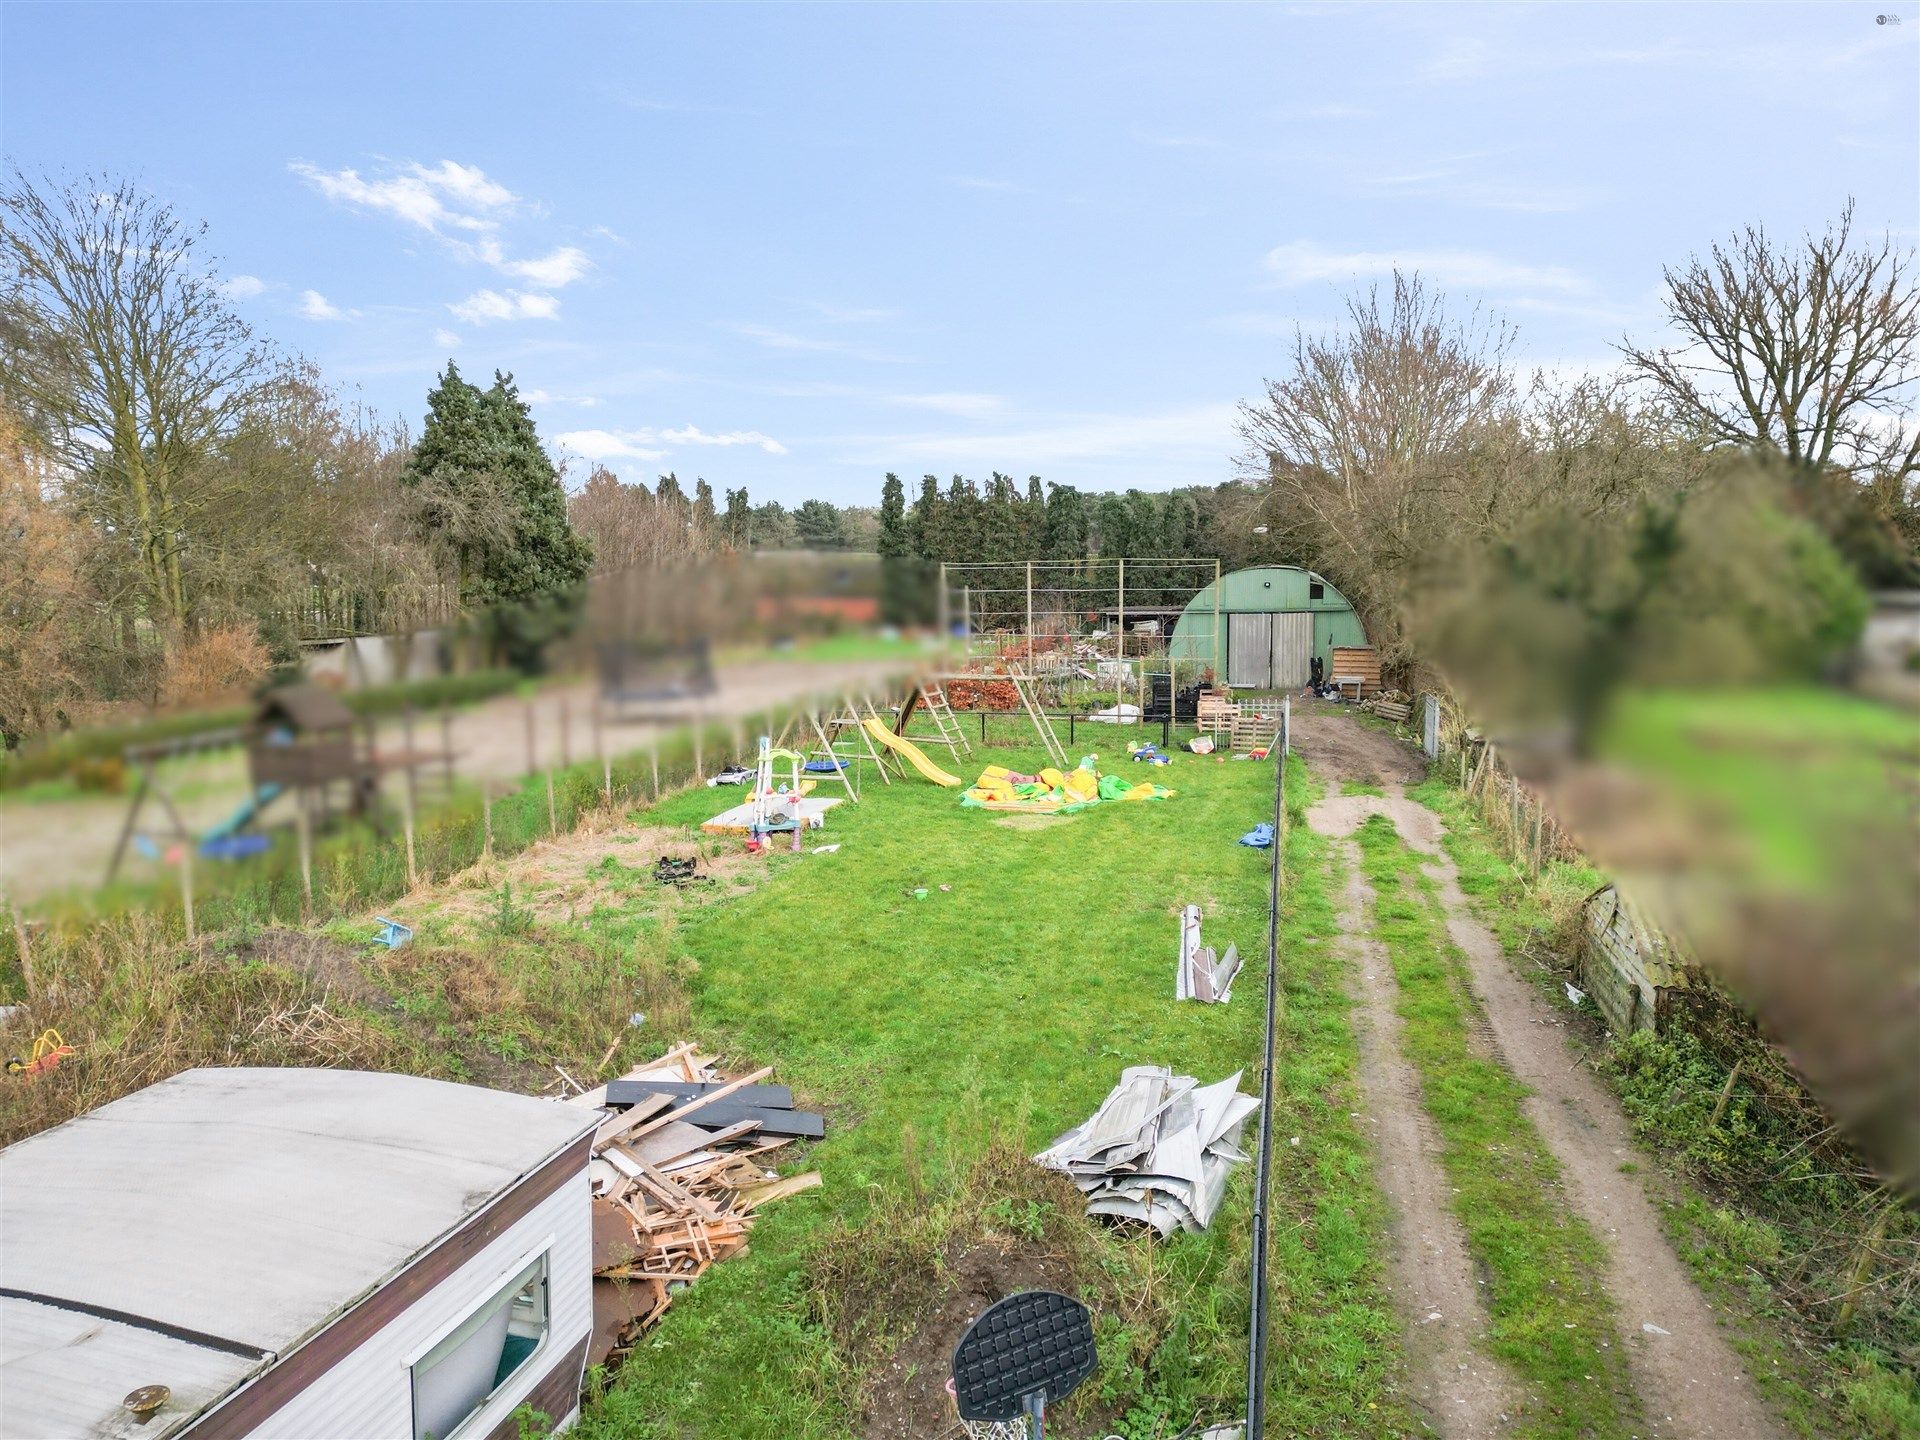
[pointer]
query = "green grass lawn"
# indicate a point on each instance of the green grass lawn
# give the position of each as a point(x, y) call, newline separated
point(999, 1011)
point(1794, 768)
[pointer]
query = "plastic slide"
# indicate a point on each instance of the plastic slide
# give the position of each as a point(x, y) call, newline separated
point(264, 796)
point(914, 755)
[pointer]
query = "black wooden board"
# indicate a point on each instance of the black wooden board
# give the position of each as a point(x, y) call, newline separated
point(632, 1092)
point(801, 1124)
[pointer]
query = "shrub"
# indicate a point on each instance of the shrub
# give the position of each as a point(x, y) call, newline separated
point(214, 664)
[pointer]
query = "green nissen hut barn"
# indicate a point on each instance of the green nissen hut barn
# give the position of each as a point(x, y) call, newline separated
point(1274, 619)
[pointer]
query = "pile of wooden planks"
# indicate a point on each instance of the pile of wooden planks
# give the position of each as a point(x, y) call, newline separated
point(679, 1171)
point(1394, 705)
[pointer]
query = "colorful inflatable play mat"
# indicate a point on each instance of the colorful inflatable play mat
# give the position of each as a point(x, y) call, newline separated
point(1053, 793)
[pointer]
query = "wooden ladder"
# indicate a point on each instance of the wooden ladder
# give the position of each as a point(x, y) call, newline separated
point(933, 699)
point(1023, 687)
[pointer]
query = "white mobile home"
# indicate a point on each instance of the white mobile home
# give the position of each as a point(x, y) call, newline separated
point(305, 1254)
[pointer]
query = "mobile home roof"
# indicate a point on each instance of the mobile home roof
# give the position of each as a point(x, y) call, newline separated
point(230, 1214)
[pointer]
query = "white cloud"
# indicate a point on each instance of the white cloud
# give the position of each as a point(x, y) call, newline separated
point(468, 183)
point(547, 397)
point(1322, 112)
point(243, 287)
point(693, 435)
point(315, 306)
point(550, 272)
point(445, 339)
point(610, 444)
point(1201, 433)
point(487, 305)
point(606, 233)
point(1455, 178)
point(782, 340)
point(437, 198)
point(650, 444)
point(849, 314)
point(774, 339)
point(1302, 262)
point(948, 402)
point(1180, 142)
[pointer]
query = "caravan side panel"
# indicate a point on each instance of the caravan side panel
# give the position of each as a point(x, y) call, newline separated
point(352, 1380)
point(369, 1393)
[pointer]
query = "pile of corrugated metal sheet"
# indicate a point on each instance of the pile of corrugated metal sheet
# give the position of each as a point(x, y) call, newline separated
point(1201, 974)
point(677, 1176)
point(1158, 1150)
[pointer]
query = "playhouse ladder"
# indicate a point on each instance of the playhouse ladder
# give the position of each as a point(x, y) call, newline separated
point(933, 698)
point(1023, 687)
point(838, 724)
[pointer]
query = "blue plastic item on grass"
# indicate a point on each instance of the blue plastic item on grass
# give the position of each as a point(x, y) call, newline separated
point(235, 847)
point(1260, 837)
point(392, 933)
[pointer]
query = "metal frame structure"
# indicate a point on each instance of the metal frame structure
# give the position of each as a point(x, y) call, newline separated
point(980, 606)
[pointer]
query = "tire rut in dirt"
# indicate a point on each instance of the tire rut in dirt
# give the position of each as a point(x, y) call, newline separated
point(1461, 1390)
point(1689, 1380)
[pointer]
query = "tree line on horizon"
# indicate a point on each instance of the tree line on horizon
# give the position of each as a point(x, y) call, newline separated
point(181, 500)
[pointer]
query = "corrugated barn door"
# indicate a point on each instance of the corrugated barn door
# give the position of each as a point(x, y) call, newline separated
point(1250, 652)
point(1292, 650)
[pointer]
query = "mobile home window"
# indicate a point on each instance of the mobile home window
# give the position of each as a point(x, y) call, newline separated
point(464, 1371)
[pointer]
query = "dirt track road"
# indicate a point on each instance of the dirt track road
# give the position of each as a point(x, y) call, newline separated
point(1688, 1378)
point(58, 845)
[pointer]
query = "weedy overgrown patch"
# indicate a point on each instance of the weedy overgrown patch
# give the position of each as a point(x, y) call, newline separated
point(139, 1005)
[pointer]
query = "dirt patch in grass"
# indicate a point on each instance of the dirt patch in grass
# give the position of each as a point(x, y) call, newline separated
point(1338, 749)
point(906, 1396)
point(897, 1288)
point(598, 864)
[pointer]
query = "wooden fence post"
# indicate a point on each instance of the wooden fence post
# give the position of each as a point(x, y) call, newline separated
point(553, 822)
point(406, 830)
point(566, 732)
point(600, 749)
point(304, 826)
point(531, 765)
point(186, 882)
point(21, 945)
point(486, 819)
point(1726, 1094)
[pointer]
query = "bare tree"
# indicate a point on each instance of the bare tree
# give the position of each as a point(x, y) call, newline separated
point(117, 345)
point(1810, 351)
point(632, 526)
point(1360, 449)
point(46, 605)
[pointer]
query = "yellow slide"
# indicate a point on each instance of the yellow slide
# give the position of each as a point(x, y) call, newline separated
point(915, 756)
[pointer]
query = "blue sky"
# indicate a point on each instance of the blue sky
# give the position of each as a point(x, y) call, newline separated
point(795, 247)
